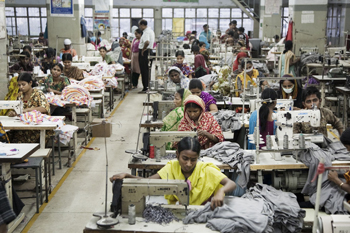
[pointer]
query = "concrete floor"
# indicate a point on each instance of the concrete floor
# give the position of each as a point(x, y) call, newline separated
point(83, 191)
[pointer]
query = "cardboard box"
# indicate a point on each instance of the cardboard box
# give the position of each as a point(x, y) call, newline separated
point(101, 130)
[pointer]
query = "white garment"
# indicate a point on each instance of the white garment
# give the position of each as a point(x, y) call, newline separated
point(148, 35)
point(270, 56)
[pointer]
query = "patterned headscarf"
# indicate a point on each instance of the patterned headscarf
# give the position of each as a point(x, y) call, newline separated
point(196, 100)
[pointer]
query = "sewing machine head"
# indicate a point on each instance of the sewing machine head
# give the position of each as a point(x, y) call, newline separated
point(16, 105)
point(284, 104)
point(135, 191)
point(337, 72)
point(160, 139)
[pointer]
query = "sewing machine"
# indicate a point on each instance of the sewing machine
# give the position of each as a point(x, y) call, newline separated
point(135, 191)
point(286, 104)
point(160, 139)
point(162, 108)
point(16, 105)
point(337, 72)
point(334, 223)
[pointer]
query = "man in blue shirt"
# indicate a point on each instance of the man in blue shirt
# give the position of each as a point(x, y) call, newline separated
point(206, 33)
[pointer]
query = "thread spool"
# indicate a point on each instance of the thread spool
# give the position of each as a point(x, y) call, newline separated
point(132, 214)
point(158, 157)
point(301, 141)
point(163, 114)
point(151, 151)
point(285, 141)
point(268, 142)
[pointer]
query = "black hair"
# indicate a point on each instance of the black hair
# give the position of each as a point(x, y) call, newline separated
point(186, 46)
point(103, 47)
point(233, 22)
point(194, 32)
point(26, 77)
point(310, 91)
point(264, 110)
point(59, 65)
point(195, 83)
point(181, 92)
point(261, 82)
point(276, 37)
point(25, 53)
point(231, 33)
point(125, 33)
point(67, 56)
point(193, 105)
point(195, 48)
point(99, 34)
point(180, 53)
point(139, 31)
point(189, 143)
point(345, 137)
point(201, 43)
point(50, 52)
point(243, 63)
point(143, 22)
point(27, 47)
point(241, 29)
point(41, 34)
point(288, 46)
point(205, 25)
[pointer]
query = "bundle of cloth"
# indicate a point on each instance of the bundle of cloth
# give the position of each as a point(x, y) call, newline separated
point(92, 82)
point(230, 153)
point(228, 120)
point(77, 95)
point(223, 83)
point(54, 99)
point(104, 69)
point(331, 196)
point(112, 82)
point(263, 209)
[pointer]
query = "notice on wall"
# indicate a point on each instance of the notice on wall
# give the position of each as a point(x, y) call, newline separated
point(101, 6)
point(307, 17)
point(272, 7)
point(101, 21)
point(61, 8)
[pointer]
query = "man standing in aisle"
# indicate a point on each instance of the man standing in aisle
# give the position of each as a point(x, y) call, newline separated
point(206, 33)
point(145, 47)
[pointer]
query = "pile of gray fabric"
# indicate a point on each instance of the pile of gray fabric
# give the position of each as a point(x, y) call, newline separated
point(287, 217)
point(332, 196)
point(339, 151)
point(158, 214)
point(228, 120)
point(230, 153)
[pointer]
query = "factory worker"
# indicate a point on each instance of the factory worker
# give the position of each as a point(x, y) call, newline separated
point(205, 53)
point(33, 59)
point(312, 97)
point(244, 37)
point(172, 120)
point(105, 57)
point(290, 88)
point(196, 88)
point(187, 36)
point(333, 175)
point(238, 61)
point(176, 76)
point(197, 119)
point(267, 125)
point(286, 64)
point(24, 64)
point(184, 67)
point(68, 48)
point(72, 72)
point(200, 67)
point(251, 75)
point(207, 181)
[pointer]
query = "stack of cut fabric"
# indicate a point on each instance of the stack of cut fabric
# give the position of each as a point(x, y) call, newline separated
point(231, 154)
point(77, 95)
point(112, 82)
point(331, 196)
point(54, 99)
point(288, 216)
point(228, 120)
point(35, 117)
point(92, 82)
point(339, 151)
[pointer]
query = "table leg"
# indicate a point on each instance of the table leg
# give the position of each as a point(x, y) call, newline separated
point(6, 176)
point(323, 94)
point(37, 189)
point(42, 139)
point(74, 115)
point(111, 98)
point(345, 111)
point(46, 185)
point(260, 177)
point(133, 171)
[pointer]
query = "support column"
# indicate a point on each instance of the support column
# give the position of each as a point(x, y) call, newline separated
point(270, 24)
point(66, 27)
point(3, 51)
point(157, 21)
point(309, 29)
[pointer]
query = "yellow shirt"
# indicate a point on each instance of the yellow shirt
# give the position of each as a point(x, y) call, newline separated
point(248, 78)
point(205, 180)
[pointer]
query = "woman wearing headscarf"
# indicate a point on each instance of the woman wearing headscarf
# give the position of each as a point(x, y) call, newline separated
point(188, 35)
point(176, 76)
point(135, 66)
point(72, 72)
point(286, 64)
point(172, 120)
point(238, 60)
point(289, 88)
point(200, 67)
point(196, 119)
point(126, 50)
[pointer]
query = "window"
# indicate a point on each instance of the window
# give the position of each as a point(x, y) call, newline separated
point(334, 15)
point(285, 21)
point(123, 18)
point(89, 19)
point(25, 20)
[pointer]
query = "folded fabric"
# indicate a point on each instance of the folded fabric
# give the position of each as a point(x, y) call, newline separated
point(112, 82)
point(228, 120)
point(54, 99)
point(76, 94)
point(104, 69)
point(92, 82)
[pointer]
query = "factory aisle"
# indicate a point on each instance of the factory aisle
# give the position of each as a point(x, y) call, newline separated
point(83, 191)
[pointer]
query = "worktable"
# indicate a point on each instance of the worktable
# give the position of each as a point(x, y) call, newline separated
point(345, 64)
point(323, 85)
point(151, 124)
point(346, 92)
point(25, 150)
point(13, 123)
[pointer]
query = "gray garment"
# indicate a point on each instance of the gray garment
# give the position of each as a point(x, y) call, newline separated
point(332, 197)
point(339, 151)
point(239, 215)
point(231, 154)
point(311, 158)
point(288, 217)
point(228, 120)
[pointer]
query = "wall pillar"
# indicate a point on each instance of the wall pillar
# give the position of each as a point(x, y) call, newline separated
point(66, 27)
point(270, 24)
point(157, 20)
point(309, 29)
point(3, 55)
